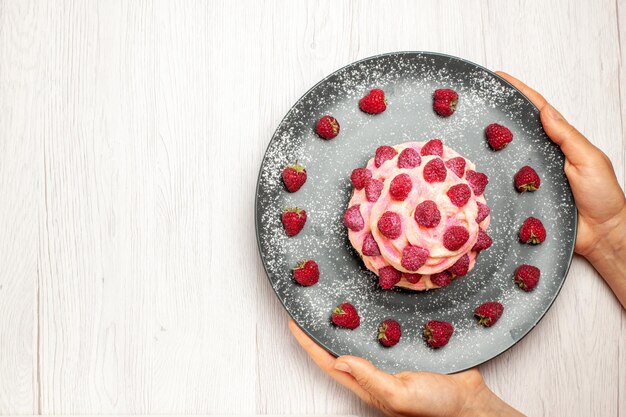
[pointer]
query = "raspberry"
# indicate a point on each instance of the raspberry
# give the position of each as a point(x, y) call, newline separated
point(432, 147)
point(532, 231)
point(360, 177)
point(373, 188)
point(445, 101)
point(427, 214)
point(455, 237)
point(390, 225)
point(327, 127)
point(409, 158)
point(477, 180)
point(483, 241)
point(459, 194)
point(488, 313)
point(498, 136)
point(294, 177)
point(306, 273)
point(400, 187)
point(456, 165)
point(526, 179)
point(370, 247)
point(441, 279)
point(345, 315)
point(388, 276)
point(435, 171)
point(389, 333)
point(483, 212)
point(352, 218)
point(374, 102)
point(438, 333)
point(461, 267)
point(384, 153)
point(527, 276)
point(412, 278)
point(413, 257)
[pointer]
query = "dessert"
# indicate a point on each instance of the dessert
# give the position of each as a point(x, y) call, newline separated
point(417, 223)
point(389, 333)
point(307, 273)
point(488, 313)
point(294, 177)
point(327, 127)
point(527, 276)
point(345, 315)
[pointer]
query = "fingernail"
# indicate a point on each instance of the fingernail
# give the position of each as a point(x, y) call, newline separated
point(343, 367)
point(552, 113)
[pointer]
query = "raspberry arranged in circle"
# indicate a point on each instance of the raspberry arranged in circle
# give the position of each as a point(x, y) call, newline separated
point(400, 187)
point(455, 237)
point(413, 257)
point(390, 225)
point(427, 214)
point(435, 171)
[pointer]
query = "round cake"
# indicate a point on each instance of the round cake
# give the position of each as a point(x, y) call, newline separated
point(418, 215)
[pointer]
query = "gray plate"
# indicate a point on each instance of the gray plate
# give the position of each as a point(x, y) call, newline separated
point(409, 79)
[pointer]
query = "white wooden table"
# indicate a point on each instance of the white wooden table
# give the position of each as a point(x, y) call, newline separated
point(131, 133)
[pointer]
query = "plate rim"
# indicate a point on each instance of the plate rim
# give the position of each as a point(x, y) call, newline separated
point(409, 53)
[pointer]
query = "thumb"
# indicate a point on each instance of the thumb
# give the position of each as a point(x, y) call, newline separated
point(377, 383)
point(574, 145)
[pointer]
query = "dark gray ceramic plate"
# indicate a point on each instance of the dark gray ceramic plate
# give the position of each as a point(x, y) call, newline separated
point(409, 79)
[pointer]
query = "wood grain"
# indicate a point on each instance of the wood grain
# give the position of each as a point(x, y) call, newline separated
point(130, 138)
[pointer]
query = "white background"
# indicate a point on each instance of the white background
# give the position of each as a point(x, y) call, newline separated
point(131, 133)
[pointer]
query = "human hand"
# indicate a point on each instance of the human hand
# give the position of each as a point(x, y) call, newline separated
point(417, 394)
point(599, 198)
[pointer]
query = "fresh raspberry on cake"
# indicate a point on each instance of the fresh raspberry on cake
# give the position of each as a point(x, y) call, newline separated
point(373, 188)
point(374, 102)
point(488, 313)
point(384, 153)
point(293, 220)
point(482, 242)
point(456, 165)
point(526, 179)
point(388, 276)
point(413, 257)
point(352, 218)
point(461, 267)
point(345, 315)
point(435, 171)
point(409, 158)
point(427, 214)
point(532, 231)
point(459, 194)
point(527, 276)
point(455, 237)
point(445, 101)
point(400, 187)
point(412, 278)
point(327, 127)
point(432, 147)
point(438, 333)
point(477, 180)
point(498, 136)
point(390, 225)
point(483, 212)
point(370, 247)
point(389, 333)
point(294, 177)
point(442, 279)
point(360, 177)
point(306, 273)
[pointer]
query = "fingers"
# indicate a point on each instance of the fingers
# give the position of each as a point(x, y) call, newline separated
point(326, 361)
point(380, 385)
point(536, 98)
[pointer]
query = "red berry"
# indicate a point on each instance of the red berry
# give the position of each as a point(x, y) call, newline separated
point(306, 273)
point(455, 237)
point(456, 165)
point(374, 102)
point(413, 257)
point(400, 187)
point(482, 242)
point(384, 153)
point(294, 176)
point(293, 220)
point(360, 177)
point(527, 276)
point(435, 171)
point(427, 214)
point(370, 247)
point(352, 218)
point(327, 127)
point(488, 313)
point(373, 188)
point(498, 136)
point(461, 267)
point(409, 158)
point(389, 333)
point(388, 276)
point(441, 279)
point(459, 194)
point(390, 225)
point(345, 315)
point(438, 333)
point(532, 231)
point(445, 101)
point(526, 179)
point(483, 212)
point(477, 180)
point(412, 278)
point(432, 147)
